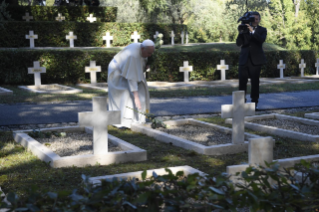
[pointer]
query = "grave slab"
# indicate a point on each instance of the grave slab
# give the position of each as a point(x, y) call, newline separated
point(50, 88)
point(149, 173)
point(4, 91)
point(220, 149)
point(99, 86)
point(314, 115)
point(130, 153)
point(279, 131)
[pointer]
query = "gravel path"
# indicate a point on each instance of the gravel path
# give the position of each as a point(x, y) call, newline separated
point(75, 143)
point(290, 125)
point(207, 136)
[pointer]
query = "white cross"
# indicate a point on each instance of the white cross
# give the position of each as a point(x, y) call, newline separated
point(182, 36)
point(156, 34)
point(281, 66)
point(72, 38)
point(186, 37)
point(37, 70)
point(31, 36)
point(302, 65)
point(108, 38)
point(27, 17)
point(135, 37)
point(317, 67)
point(91, 18)
point(238, 110)
point(172, 38)
point(222, 67)
point(186, 69)
point(99, 119)
point(60, 18)
point(92, 69)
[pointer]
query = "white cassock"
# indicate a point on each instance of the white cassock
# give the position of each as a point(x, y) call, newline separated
point(125, 75)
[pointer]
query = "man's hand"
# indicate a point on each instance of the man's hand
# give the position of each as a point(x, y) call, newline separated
point(137, 100)
point(249, 27)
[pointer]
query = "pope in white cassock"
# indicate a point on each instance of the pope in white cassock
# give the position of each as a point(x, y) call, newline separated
point(127, 86)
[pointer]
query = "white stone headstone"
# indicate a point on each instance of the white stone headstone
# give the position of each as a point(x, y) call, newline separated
point(172, 38)
point(91, 18)
point(135, 37)
point(186, 69)
point(31, 36)
point(260, 150)
point(36, 70)
point(222, 67)
point(92, 69)
point(156, 34)
point(71, 37)
point(317, 67)
point(186, 37)
point(27, 17)
point(237, 111)
point(60, 18)
point(302, 66)
point(108, 38)
point(182, 37)
point(281, 66)
point(99, 119)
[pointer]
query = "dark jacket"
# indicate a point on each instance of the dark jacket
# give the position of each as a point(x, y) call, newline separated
point(252, 45)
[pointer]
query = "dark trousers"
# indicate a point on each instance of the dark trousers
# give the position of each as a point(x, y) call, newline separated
point(251, 71)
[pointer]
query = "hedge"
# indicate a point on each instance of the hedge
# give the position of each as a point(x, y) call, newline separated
point(53, 34)
point(47, 13)
point(66, 66)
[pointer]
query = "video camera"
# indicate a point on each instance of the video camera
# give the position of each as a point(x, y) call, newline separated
point(247, 18)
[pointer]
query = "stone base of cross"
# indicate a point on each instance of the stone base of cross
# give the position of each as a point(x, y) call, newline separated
point(37, 70)
point(237, 111)
point(222, 67)
point(302, 66)
point(99, 119)
point(186, 69)
point(92, 69)
point(281, 66)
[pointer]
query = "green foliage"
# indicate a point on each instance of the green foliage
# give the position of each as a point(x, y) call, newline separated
point(262, 188)
point(53, 33)
point(49, 13)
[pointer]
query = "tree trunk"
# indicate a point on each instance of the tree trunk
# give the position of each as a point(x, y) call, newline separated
point(297, 7)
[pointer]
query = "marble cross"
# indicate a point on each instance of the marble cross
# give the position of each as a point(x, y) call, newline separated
point(156, 34)
point(281, 66)
point(36, 70)
point(71, 37)
point(108, 38)
point(237, 111)
point(135, 37)
point(302, 65)
point(92, 69)
point(31, 36)
point(186, 37)
point(186, 69)
point(99, 119)
point(317, 67)
point(182, 37)
point(60, 18)
point(91, 18)
point(222, 67)
point(27, 17)
point(172, 38)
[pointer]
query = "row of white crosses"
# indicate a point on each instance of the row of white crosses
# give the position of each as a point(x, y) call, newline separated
point(59, 18)
point(302, 66)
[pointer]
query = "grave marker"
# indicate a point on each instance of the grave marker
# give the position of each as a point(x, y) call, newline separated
point(260, 150)
point(99, 119)
point(108, 38)
point(71, 37)
point(27, 17)
point(92, 69)
point(182, 37)
point(135, 37)
point(222, 67)
point(317, 67)
point(36, 70)
point(91, 18)
point(172, 38)
point(302, 65)
point(31, 36)
point(186, 37)
point(281, 66)
point(186, 69)
point(60, 18)
point(237, 111)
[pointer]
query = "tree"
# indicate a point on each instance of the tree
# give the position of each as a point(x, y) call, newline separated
point(312, 13)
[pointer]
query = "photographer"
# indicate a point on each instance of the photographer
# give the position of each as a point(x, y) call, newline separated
point(251, 39)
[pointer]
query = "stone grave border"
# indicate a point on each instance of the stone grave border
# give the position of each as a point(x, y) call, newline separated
point(149, 173)
point(278, 131)
point(32, 88)
point(4, 91)
point(220, 149)
point(314, 115)
point(131, 153)
point(94, 86)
